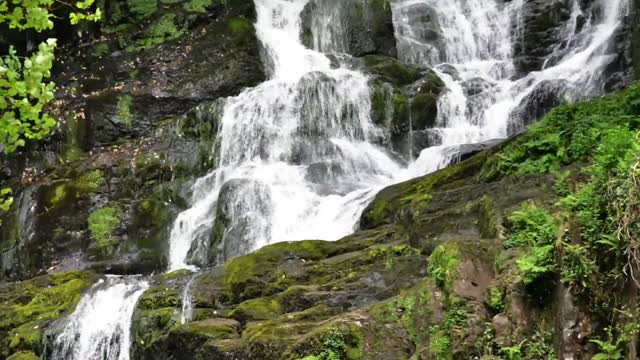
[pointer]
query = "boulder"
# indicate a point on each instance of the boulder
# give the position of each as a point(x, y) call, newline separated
point(355, 27)
point(540, 29)
point(542, 98)
point(243, 215)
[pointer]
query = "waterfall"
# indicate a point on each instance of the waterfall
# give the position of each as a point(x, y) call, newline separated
point(296, 156)
point(470, 44)
point(100, 326)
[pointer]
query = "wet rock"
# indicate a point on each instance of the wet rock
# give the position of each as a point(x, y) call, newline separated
point(502, 327)
point(540, 30)
point(466, 151)
point(355, 27)
point(544, 97)
point(423, 24)
point(403, 111)
point(391, 70)
point(575, 326)
point(243, 214)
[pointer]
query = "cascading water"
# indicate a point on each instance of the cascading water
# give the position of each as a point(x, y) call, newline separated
point(296, 154)
point(100, 326)
point(472, 51)
point(296, 159)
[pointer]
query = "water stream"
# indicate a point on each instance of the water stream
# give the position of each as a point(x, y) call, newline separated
point(100, 326)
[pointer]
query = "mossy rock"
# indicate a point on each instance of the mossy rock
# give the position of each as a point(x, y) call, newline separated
point(257, 309)
point(259, 274)
point(216, 329)
point(159, 296)
point(388, 203)
point(24, 355)
point(27, 308)
point(391, 70)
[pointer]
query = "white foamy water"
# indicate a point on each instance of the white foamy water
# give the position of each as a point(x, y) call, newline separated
point(99, 329)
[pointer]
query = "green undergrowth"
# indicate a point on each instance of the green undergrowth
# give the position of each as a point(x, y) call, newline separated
point(590, 239)
point(567, 135)
point(102, 225)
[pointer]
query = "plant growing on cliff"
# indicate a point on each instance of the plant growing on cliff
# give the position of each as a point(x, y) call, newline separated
point(534, 229)
point(25, 88)
point(334, 347)
point(610, 348)
point(443, 264)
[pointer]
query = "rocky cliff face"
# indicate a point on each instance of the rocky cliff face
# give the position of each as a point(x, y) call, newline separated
point(427, 275)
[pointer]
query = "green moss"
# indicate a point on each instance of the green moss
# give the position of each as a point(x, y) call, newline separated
point(90, 181)
point(257, 309)
point(24, 355)
point(58, 194)
point(213, 328)
point(245, 277)
point(26, 308)
point(199, 6)
point(143, 8)
point(27, 336)
point(102, 225)
point(385, 207)
point(158, 297)
point(240, 25)
point(161, 31)
point(178, 274)
point(151, 222)
point(123, 112)
point(150, 325)
point(391, 70)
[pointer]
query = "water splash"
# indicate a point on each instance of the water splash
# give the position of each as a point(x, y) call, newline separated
point(100, 326)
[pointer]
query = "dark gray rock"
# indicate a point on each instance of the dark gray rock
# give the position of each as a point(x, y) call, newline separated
point(355, 27)
point(544, 97)
point(243, 214)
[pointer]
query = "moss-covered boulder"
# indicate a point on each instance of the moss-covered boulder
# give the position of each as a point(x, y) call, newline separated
point(27, 308)
point(404, 101)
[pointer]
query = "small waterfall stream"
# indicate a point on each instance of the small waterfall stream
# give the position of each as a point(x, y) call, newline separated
point(100, 326)
point(297, 157)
